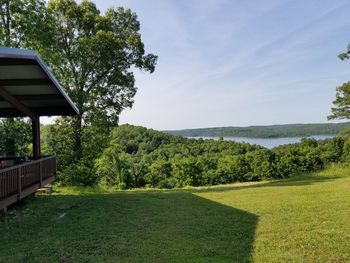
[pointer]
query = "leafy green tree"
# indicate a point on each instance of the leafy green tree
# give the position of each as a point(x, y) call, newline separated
point(21, 21)
point(112, 168)
point(60, 142)
point(288, 160)
point(159, 171)
point(341, 109)
point(342, 99)
point(94, 56)
point(261, 165)
point(231, 169)
point(208, 164)
point(187, 172)
point(15, 137)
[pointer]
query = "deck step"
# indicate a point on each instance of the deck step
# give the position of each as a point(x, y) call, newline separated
point(45, 190)
point(3, 211)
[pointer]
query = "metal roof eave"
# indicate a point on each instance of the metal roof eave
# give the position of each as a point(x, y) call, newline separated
point(25, 54)
point(56, 84)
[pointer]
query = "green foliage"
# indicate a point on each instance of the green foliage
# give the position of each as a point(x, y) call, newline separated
point(187, 172)
point(341, 103)
point(15, 137)
point(231, 169)
point(92, 55)
point(345, 55)
point(261, 163)
point(113, 168)
point(78, 174)
point(139, 157)
point(158, 173)
point(15, 30)
point(341, 109)
point(60, 142)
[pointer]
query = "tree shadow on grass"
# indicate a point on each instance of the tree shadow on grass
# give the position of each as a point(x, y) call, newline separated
point(127, 227)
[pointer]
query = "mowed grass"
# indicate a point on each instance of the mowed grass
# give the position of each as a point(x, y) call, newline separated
point(303, 219)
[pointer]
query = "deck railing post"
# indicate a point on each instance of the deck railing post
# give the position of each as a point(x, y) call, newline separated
point(55, 161)
point(19, 183)
point(41, 173)
point(36, 137)
point(3, 211)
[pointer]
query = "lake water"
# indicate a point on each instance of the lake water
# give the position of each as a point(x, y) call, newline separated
point(268, 142)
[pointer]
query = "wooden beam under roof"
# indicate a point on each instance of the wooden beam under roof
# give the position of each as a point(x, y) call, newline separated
point(17, 104)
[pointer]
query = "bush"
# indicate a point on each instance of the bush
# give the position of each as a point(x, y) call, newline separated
point(231, 169)
point(159, 171)
point(167, 183)
point(187, 172)
point(261, 165)
point(78, 175)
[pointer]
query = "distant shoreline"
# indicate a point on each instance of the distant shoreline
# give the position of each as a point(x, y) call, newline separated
point(267, 132)
point(243, 137)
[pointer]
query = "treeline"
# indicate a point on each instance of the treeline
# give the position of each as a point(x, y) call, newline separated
point(272, 131)
point(139, 157)
point(131, 157)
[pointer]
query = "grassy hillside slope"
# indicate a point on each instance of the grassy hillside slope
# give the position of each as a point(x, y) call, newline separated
point(302, 219)
point(269, 131)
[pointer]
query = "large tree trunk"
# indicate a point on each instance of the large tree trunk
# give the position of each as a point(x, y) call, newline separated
point(78, 134)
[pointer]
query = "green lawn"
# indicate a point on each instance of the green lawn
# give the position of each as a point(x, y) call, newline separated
point(304, 219)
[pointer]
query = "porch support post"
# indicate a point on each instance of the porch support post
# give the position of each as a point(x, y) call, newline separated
point(36, 137)
point(27, 112)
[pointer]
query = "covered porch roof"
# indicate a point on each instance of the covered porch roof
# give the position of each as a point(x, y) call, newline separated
point(28, 87)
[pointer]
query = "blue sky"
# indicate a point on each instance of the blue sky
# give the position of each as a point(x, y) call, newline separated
point(238, 63)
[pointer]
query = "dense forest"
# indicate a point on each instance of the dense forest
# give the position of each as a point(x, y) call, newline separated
point(271, 131)
point(134, 157)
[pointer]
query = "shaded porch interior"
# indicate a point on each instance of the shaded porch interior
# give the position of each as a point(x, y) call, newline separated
point(28, 89)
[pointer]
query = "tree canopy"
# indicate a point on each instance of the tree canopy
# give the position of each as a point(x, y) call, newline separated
point(93, 55)
point(341, 109)
point(15, 28)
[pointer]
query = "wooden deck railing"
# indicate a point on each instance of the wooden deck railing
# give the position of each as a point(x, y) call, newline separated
point(21, 180)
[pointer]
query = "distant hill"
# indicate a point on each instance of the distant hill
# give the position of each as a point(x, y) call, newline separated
point(271, 131)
